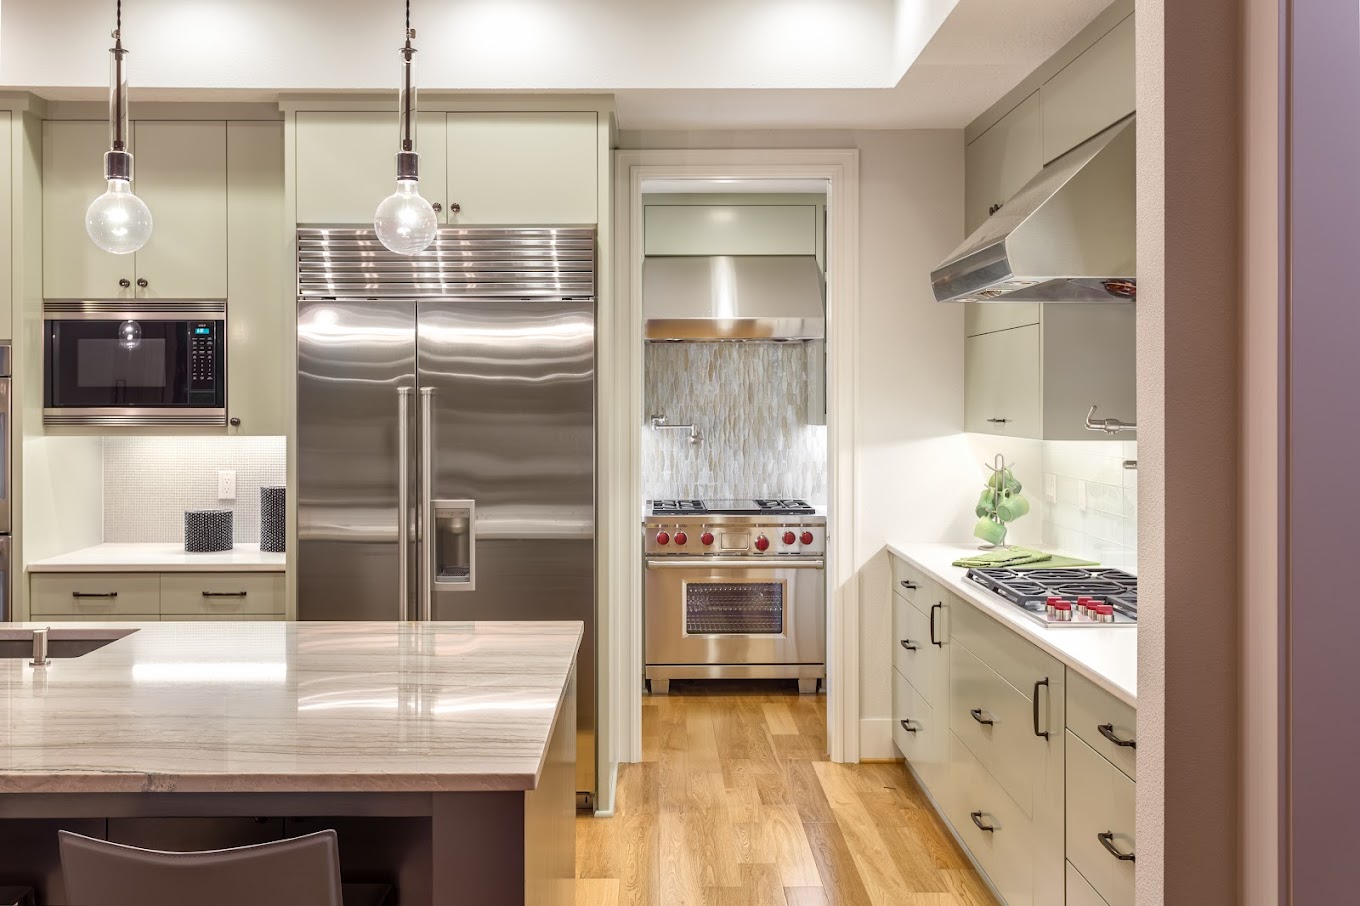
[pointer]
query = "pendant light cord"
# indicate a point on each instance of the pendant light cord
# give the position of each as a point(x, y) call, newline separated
point(118, 20)
point(408, 19)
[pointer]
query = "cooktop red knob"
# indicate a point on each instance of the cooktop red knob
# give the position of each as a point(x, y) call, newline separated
point(762, 543)
point(706, 538)
point(681, 538)
point(663, 538)
point(807, 538)
point(790, 537)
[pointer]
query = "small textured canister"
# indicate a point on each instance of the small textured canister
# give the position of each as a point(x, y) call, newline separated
point(207, 531)
point(273, 519)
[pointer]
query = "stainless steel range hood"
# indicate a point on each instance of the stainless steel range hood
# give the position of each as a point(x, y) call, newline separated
point(1067, 236)
point(733, 297)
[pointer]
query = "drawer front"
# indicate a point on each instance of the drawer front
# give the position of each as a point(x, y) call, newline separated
point(1079, 890)
point(1100, 801)
point(921, 734)
point(1008, 852)
point(996, 722)
point(1089, 709)
point(1017, 661)
point(925, 665)
point(907, 580)
point(92, 595)
point(222, 593)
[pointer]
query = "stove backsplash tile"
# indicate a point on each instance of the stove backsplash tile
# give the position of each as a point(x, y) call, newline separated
point(749, 401)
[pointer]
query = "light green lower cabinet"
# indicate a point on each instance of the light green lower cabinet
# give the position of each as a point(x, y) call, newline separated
point(1079, 890)
point(1101, 841)
point(68, 597)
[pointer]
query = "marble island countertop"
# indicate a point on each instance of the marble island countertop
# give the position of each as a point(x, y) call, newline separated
point(287, 707)
point(1106, 656)
point(160, 558)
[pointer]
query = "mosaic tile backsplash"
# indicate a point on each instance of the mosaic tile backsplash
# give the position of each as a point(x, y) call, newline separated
point(750, 403)
point(150, 481)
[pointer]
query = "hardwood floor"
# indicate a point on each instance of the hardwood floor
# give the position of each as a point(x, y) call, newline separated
point(736, 804)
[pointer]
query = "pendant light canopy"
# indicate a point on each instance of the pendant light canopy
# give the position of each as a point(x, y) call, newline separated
point(405, 222)
point(118, 221)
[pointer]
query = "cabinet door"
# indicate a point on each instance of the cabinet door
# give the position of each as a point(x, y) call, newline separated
point(1100, 802)
point(1002, 383)
point(182, 176)
point(1079, 890)
point(1089, 358)
point(258, 306)
point(346, 163)
point(221, 594)
point(529, 168)
point(73, 176)
point(94, 595)
point(729, 229)
point(999, 162)
point(6, 206)
point(1092, 92)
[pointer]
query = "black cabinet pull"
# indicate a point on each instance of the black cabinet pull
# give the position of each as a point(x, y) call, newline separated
point(998, 421)
point(933, 640)
point(977, 819)
point(909, 586)
point(906, 643)
point(1107, 730)
point(91, 594)
point(977, 716)
point(224, 594)
point(1042, 734)
point(1107, 840)
point(906, 725)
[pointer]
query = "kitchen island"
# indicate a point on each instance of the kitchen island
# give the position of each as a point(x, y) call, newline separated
point(442, 753)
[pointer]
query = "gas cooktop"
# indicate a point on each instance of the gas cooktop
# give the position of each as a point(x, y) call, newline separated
point(760, 506)
point(1033, 590)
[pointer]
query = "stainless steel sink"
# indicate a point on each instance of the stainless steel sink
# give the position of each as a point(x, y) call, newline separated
point(61, 643)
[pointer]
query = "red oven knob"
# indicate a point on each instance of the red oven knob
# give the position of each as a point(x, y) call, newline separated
point(762, 543)
point(807, 538)
point(663, 538)
point(790, 537)
point(681, 538)
point(706, 538)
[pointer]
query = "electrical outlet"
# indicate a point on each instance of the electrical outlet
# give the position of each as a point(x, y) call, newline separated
point(226, 484)
point(1051, 487)
point(1081, 495)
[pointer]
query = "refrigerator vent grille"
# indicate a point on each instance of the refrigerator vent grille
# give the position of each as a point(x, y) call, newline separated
point(463, 262)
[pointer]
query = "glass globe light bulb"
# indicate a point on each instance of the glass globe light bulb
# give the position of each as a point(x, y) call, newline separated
point(118, 221)
point(129, 335)
point(405, 222)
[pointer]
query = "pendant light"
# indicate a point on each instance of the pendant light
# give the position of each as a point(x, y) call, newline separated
point(118, 221)
point(406, 222)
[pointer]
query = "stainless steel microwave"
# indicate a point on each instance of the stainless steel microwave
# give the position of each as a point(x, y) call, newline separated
point(134, 363)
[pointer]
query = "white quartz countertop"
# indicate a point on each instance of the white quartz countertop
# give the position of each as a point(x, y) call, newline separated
point(1106, 656)
point(160, 558)
point(287, 707)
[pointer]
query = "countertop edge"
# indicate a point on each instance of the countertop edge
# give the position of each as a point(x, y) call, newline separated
point(1020, 624)
point(157, 568)
point(160, 557)
point(18, 782)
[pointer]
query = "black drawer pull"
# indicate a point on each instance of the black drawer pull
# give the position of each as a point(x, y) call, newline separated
point(906, 725)
point(224, 594)
point(1107, 840)
point(933, 640)
point(91, 594)
point(977, 716)
point(977, 819)
point(908, 644)
point(1042, 734)
point(1107, 730)
point(910, 586)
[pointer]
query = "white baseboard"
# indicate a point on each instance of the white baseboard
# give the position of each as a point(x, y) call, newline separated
point(875, 739)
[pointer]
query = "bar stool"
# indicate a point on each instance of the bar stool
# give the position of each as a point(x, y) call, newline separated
point(282, 873)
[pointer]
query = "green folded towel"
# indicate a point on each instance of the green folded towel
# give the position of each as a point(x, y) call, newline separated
point(1010, 558)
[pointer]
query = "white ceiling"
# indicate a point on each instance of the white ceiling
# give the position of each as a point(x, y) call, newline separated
point(701, 64)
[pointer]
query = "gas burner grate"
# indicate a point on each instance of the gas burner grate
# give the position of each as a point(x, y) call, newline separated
point(1030, 590)
point(783, 506)
point(677, 507)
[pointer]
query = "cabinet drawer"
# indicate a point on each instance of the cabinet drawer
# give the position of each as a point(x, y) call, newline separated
point(222, 593)
point(1017, 661)
point(1100, 801)
point(94, 595)
point(922, 735)
point(1006, 852)
point(909, 582)
point(924, 664)
point(1089, 708)
point(1079, 890)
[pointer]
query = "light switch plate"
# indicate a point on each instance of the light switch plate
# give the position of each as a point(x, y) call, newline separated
point(226, 484)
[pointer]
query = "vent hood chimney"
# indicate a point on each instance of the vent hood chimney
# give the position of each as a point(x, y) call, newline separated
point(1067, 236)
point(733, 297)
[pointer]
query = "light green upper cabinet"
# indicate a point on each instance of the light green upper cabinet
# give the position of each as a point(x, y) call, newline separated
point(180, 172)
point(736, 229)
point(6, 212)
point(1093, 92)
point(523, 168)
point(346, 164)
point(258, 304)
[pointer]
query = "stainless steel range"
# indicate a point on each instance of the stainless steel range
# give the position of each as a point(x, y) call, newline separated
point(735, 589)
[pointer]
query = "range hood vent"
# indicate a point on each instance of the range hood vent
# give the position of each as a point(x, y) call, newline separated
point(1067, 236)
point(733, 297)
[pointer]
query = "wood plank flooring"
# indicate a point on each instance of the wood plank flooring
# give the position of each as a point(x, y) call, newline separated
point(736, 804)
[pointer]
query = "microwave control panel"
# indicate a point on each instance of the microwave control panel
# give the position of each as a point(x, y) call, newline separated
point(203, 352)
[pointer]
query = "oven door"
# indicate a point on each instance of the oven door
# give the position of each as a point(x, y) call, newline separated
point(735, 611)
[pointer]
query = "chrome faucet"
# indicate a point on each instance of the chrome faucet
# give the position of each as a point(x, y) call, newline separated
point(40, 648)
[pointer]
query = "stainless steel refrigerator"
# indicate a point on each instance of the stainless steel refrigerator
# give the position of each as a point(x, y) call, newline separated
point(446, 433)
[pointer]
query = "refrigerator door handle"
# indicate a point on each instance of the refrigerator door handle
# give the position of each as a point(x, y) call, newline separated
point(427, 550)
point(404, 502)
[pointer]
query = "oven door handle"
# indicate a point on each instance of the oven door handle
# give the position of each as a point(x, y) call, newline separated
point(734, 563)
